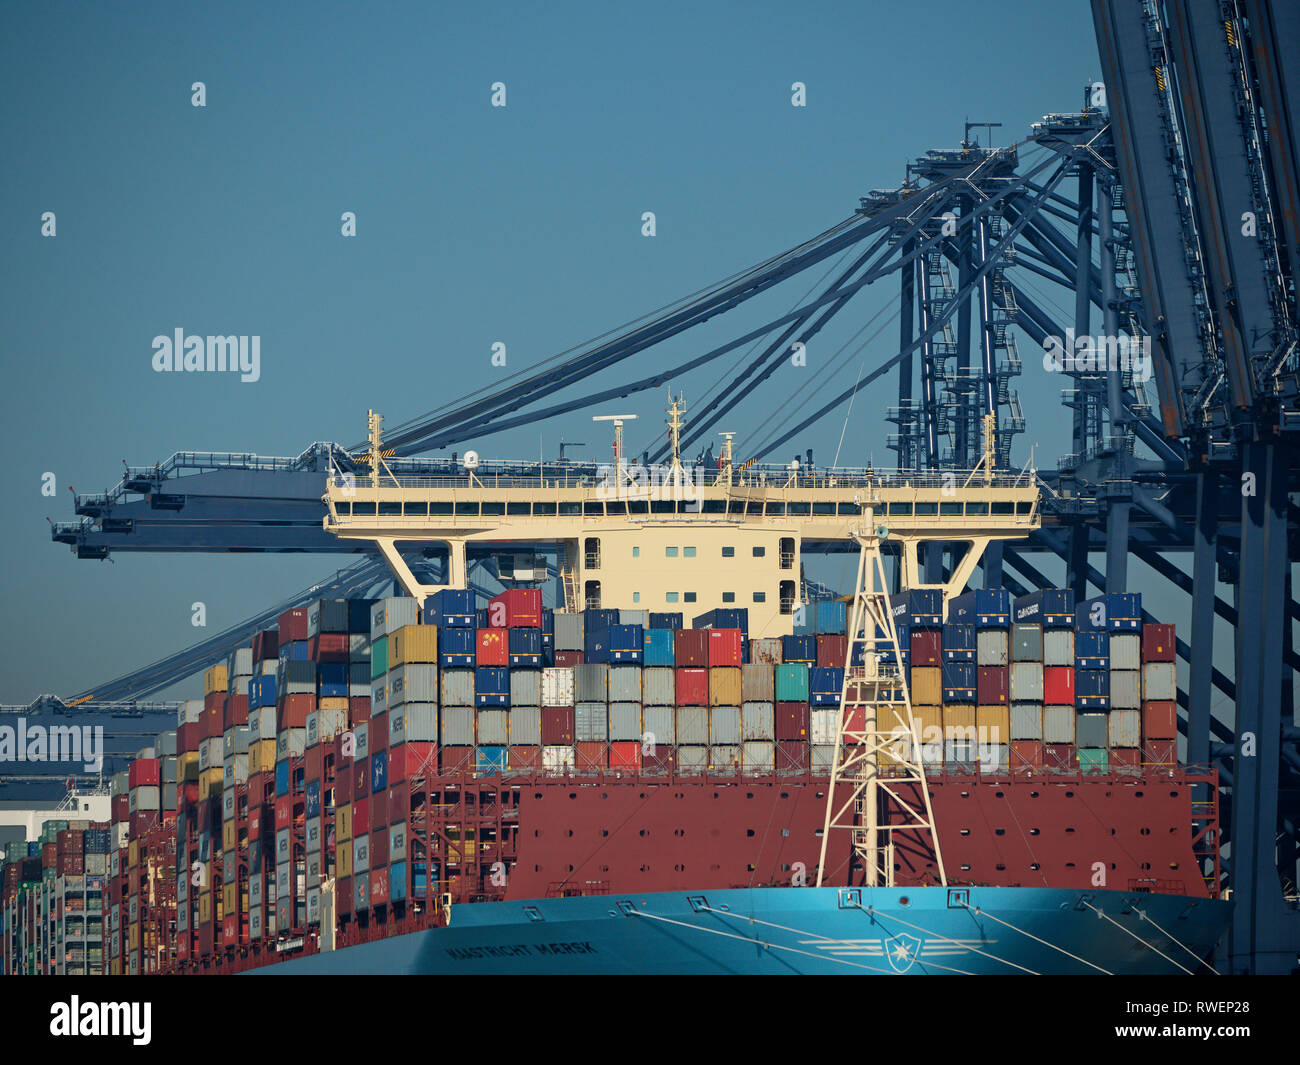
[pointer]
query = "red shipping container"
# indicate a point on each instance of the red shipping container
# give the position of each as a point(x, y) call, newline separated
point(266, 645)
point(359, 709)
point(692, 685)
point(1058, 685)
point(1125, 760)
point(360, 779)
point(525, 757)
point(832, 651)
point(360, 817)
point(292, 626)
point(283, 812)
point(312, 762)
point(205, 940)
point(379, 808)
point(379, 734)
point(1059, 757)
point(378, 836)
point(379, 885)
point(213, 720)
point(926, 647)
point(992, 686)
point(343, 895)
point(691, 648)
point(410, 759)
point(292, 710)
point(187, 738)
point(589, 756)
point(792, 757)
point(456, 759)
point(570, 658)
point(214, 701)
point(230, 930)
point(1026, 756)
point(254, 822)
point(1159, 643)
point(1160, 752)
point(121, 808)
point(399, 800)
point(724, 647)
point(493, 647)
point(342, 781)
point(142, 821)
point(625, 754)
point(516, 608)
point(1160, 721)
point(792, 721)
point(236, 711)
point(328, 647)
point(557, 726)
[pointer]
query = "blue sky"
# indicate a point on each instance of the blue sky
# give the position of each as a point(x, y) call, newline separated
point(474, 225)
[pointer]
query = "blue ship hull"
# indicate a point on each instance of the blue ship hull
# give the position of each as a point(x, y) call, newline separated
point(890, 931)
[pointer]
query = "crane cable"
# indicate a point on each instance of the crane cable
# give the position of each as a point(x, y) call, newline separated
point(979, 912)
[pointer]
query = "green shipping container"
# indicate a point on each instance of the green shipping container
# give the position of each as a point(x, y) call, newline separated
point(378, 657)
point(792, 683)
point(1094, 760)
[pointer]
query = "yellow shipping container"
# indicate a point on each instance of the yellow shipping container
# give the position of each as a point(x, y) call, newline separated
point(133, 936)
point(133, 854)
point(413, 643)
point(228, 893)
point(343, 822)
point(994, 723)
point(187, 767)
point(265, 756)
point(959, 721)
point(229, 834)
point(210, 783)
point(927, 685)
point(214, 679)
point(725, 686)
point(115, 967)
point(333, 702)
point(343, 858)
point(928, 717)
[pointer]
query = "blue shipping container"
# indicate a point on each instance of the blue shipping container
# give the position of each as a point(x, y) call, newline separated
point(918, 607)
point(490, 759)
point(359, 615)
point(986, 608)
point(1091, 649)
point(1053, 608)
point(666, 620)
point(457, 648)
point(491, 686)
point(548, 620)
point(801, 648)
point(1092, 689)
point(825, 684)
point(1117, 612)
point(311, 806)
point(397, 881)
point(378, 771)
point(658, 647)
point(723, 618)
point(960, 680)
point(959, 643)
point(616, 643)
point(832, 617)
point(598, 619)
point(282, 778)
point(526, 647)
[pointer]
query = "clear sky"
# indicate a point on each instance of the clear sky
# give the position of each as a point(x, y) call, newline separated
point(474, 225)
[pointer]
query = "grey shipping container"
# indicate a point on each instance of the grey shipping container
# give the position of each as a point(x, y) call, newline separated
point(624, 684)
point(1058, 647)
point(525, 726)
point(379, 695)
point(692, 760)
point(758, 756)
point(169, 767)
point(1125, 728)
point(493, 727)
point(1026, 643)
point(634, 617)
point(724, 758)
point(766, 650)
point(1058, 724)
point(457, 725)
point(390, 614)
point(724, 726)
point(1125, 690)
point(994, 757)
point(991, 647)
point(1160, 682)
point(414, 683)
point(569, 633)
point(657, 725)
point(1026, 721)
point(591, 683)
point(591, 722)
point(624, 721)
point(692, 726)
point(456, 687)
point(658, 686)
point(757, 683)
point(361, 736)
point(823, 757)
point(1091, 730)
point(1125, 650)
point(165, 744)
point(1026, 683)
point(525, 688)
point(757, 722)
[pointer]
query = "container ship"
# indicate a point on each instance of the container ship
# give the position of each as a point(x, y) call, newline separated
point(912, 779)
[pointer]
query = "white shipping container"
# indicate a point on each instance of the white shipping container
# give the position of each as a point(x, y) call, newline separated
point(625, 684)
point(1058, 647)
point(525, 726)
point(659, 686)
point(189, 712)
point(569, 635)
point(724, 727)
point(692, 760)
point(992, 647)
point(724, 758)
point(525, 687)
point(390, 614)
point(557, 685)
point(823, 757)
point(557, 758)
point(413, 683)
point(379, 695)
point(1058, 724)
point(360, 855)
point(1125, 650)
point(692, 726)
point(624, 722)
point(457, 725)
point(457, 687)
point(757, 722)
point(1026, 720)
point(1027, 683)
point(493, 727)
point(824, 726)
point(397, 843)
point(590, 722)
point(361, 740)
point(332, 723)
point(1160, 682)
point(1125, 728)
point(1125, 690)
point(657, 725)
point(591, 683)
point(758, 756)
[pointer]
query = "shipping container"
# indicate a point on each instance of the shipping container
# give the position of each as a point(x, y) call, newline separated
point(1026, 757)
point(658, 647)
point(725, 685)
point(1159, 643)
point(1125, 690)
point(724, 648)
point(666, 621)
point(1091, 691)
point(591, 682)
point(525, 684)
point(525, 647)
point(1058, 685)
point(692, 687)
point(796, 649)
point(456, 725)
point(1058, 647)
point(1160, 682)
point(492, 728)
point(1092, 649)
point(692, 760)
point(926, 685)
point(569, 632)
point(982, 607)
point(919, 607)
point(1093, 761)
point(790, 683)
point(1027, 684)
point(1125, 728)
point(658, 687)
point(624, 722)
point(526, 726)
point(758, 757)
point(926, 646)
point(958, 643)
point(413, 643)
point(992, 684)
point(658, 726)
point(724, 726)
point(492, 647)
point(390, 614)
point(723, 618)
point(1160, 720)
point(1125, 651)
point(992, 647)
point(1091, 730)
point(1052, 608)
point(557, 726)
point(1114, 612)
point(960, 681)
point(591, 722)
point(766, 651)
point(625, 684)
point(690, 648)
point(792, 721)
point(692, 726)
point(557, 686)
point(1026, 643)
point(457, 648)
point(516, 608)
point(615, 643)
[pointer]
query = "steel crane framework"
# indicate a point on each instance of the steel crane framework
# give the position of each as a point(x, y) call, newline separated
point(1169, 205)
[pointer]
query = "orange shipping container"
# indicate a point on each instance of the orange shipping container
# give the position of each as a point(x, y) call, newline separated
point(725, 685)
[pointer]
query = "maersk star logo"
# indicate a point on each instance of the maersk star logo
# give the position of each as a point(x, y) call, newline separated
point(902, 951)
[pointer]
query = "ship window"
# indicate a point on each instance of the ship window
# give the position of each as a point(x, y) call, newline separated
point(670, 597)
point(463, 509)
point(615, 506)
point(543, 509)
point(951, 510)
point(980, 509)
point(775, 509)
point(494, 508)
point(900, 508)
point(759, 552)
point(799, 508)
point(1024, 508)
point(850, 508)
point(570, 509)
point(728, 597)
point(926, 509)
point(715, 506)
point(755, 506)
point(728, 552)
point(637, 506)
point(517, 508)
point(593, 509)
point(366, 508)
point(688, 597)
point(390, 509)
point(736, 506)
point(663, 506)
point(636, 597)
point(823, 508)
point(688, 552)
point(670, 552)
point(760, 597)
